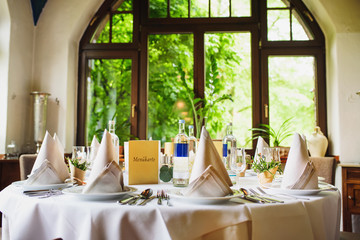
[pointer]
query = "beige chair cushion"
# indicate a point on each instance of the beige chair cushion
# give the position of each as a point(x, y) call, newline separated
point(26, 162)
point(325, 167)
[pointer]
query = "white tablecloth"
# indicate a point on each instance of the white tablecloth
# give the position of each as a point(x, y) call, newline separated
point(67, 217)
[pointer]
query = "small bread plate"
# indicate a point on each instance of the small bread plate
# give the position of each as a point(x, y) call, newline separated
point(276, 188)
point(177, 195)
point(25, 187)
point(77, 192)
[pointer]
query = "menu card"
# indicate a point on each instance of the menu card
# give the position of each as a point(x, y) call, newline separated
point(142, 161)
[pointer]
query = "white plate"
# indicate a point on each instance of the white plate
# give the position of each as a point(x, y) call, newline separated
point(77, 192)
point(40, 187)
point(177, 195)
point(276, 187)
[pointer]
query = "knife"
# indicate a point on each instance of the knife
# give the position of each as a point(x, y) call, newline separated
point(146, 201)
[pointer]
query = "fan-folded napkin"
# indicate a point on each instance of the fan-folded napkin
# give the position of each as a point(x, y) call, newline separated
point(106, 175)
point(299, 173)
point(260, 147)
point(209, 184)
point(207, 155)
point(49, 166)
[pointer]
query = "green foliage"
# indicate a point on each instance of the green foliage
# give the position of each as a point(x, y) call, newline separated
point(261, 165)
point(80, 165)
point(277, 136)
point(166, 173)
point(109, 97)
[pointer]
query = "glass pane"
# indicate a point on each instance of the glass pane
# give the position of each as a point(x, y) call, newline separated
point(291, 93)
point(126, 5)
point(170, 84)
point(102, 33)
point(199, 8)
point(220, 8)
point(278, 3)
point(299, 29)
point(179, 8)
point(228, 71)
point(158, 8)
point(240, 8)
point(278, 25)
point(122, 28)
point(108, 97)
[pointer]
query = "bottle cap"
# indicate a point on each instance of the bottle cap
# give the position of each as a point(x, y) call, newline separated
point(181, 121)
point(229, 124)
point(191, 126)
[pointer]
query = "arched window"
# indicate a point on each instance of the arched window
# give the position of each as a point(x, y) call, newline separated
point(146, 64)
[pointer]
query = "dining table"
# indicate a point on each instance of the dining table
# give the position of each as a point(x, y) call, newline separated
point(68, 214)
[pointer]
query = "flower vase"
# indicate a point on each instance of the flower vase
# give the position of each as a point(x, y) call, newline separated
point(317, 143)
point(267, 176)
point(77, 175)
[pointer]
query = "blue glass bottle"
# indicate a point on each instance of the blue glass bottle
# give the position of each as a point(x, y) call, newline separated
point(229, 146)
point(181, 158)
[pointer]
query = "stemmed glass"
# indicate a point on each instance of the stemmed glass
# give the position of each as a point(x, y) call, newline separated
point(238, 162)
point(272, 154)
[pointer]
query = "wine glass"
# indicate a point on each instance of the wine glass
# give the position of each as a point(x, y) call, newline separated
point(238, 162)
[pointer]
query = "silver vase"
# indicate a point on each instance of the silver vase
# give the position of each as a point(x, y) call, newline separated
point(40, 108)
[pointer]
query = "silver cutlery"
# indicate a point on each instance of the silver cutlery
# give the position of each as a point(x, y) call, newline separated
point(273, 200)
point(144, 202)
point(159, 196)
point(133, 198)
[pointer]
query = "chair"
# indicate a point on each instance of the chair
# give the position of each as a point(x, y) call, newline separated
point(325, 167)
point(26, 162)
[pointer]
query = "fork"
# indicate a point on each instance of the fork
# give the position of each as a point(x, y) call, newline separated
point(159, 195)
point(272, 200)
point(167, 198)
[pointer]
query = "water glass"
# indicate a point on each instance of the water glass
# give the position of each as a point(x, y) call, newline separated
point(272, 154)
point(238, 161)
point(79, 153)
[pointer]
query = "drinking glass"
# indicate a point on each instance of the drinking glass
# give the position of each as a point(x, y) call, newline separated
point(79, 153)
point(238, 162)
point(272, 153)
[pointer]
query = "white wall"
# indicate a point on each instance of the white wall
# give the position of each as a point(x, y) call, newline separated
point(19, 72)
point(4, 69)
point(58, 32)
point(340, 22)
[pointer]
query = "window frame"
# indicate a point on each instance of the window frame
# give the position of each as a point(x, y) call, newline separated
point(261, 48)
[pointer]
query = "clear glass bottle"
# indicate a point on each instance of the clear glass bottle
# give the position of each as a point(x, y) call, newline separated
point(114, 139)
point(229, 146)
point(192, 147)
point(181, 158)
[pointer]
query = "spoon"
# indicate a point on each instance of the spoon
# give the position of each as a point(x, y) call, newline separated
point(143, 195)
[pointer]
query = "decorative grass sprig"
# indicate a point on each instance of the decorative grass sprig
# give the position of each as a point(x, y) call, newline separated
point(80, 165)
point(261, 165)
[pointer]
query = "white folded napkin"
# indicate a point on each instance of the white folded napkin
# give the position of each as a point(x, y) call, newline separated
point(208, 184)
point(49, 163)
point(299, 172)
point(105, 171)
point(95, 145)
point(260, 147)
point(45, 174)
point(207, 155)
point(110, 180)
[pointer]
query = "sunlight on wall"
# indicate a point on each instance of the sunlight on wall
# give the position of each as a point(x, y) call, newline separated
point(4, 65)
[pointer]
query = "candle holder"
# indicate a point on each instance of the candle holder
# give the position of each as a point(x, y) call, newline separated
point(40, 109)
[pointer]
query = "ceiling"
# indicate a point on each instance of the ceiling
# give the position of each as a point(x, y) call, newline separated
point(37, 6)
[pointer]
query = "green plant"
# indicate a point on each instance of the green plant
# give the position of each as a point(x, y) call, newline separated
point(80, 165)
point(261, 165)
point(202, 107)
point(277, 136)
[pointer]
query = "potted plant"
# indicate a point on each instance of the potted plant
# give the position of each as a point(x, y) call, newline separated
point(276, 136)
point(266, 170)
